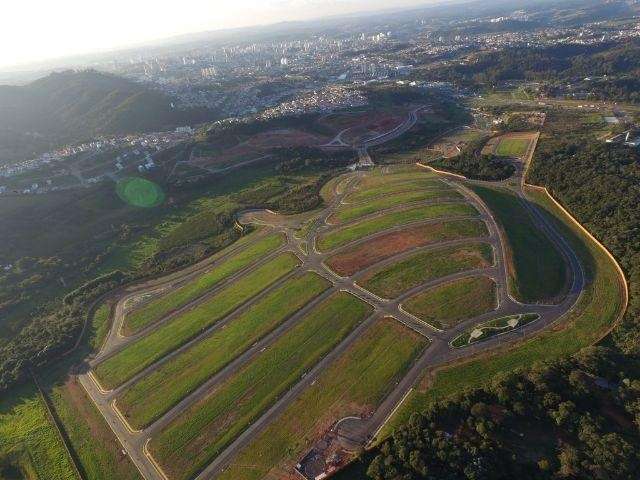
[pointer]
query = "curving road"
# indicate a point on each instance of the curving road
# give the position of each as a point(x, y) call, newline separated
point(354, 431)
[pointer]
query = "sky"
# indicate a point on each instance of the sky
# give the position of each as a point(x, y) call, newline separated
point(34, 30)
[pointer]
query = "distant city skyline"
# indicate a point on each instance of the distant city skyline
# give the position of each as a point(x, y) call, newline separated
point(39, 31)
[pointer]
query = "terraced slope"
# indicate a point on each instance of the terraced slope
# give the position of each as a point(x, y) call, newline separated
point(200, 433)
point(156, 393)
point(156, 309)
point(147, 350)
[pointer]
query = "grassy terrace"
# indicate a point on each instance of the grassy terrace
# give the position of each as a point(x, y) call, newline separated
point(147, 350)
point(381, 355)
point(537, 270)
point(447, 305)
point(362, 229)
point(156, 393)
point(392, 281)
point(397, 173)
point(513, 147)
point(160, 307)
point(352, 212)
point(393, 185)
point(201, 432)
point(598, 307)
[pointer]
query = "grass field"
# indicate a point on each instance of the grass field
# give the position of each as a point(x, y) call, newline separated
point(343, 236)
point(199, 434)
point(351, 260)
point(537, 270)
point(512, 147)
point(394, 186)
point(397, 173)
point(145, 351)
point(156, 393)
point(160, 307)
point(101, 326)
point(381, 355)
point(447, 305)
point(392, 281)
point(599, 305)
point(350, 212)
point(30, 446)
point(98, 451)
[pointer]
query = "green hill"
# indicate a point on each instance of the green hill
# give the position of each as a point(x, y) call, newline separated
point(72, 106)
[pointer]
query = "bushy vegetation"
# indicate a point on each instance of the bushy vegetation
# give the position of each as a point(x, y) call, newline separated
point(473, 164)
point(577, 418)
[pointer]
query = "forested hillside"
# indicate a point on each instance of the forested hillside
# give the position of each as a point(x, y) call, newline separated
point(557, 63)
point(74, 106)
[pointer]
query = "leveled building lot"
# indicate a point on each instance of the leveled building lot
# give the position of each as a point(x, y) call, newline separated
point(350, 212)
point(449, 304)
point(157, 392)
point(138, 355)
point(358, 257)
point(381, 356)
point(348, 234)
point(154, 310)
point(199, 434)
point(393, 186)
point(421, 268)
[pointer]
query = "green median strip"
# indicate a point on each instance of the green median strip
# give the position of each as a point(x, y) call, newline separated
point(144, 352)
point(156, 393)
point(362, 229)
point(493, 328)
point(392, 281)
point(200, 433)
point(349, 212)
point(537, 270)
point(354, 384)
point(162, 306)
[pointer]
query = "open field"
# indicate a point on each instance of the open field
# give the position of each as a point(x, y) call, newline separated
point(158, 308)
point(538, 272)
point(381, 355)
point(447, 305)
point(392, 281)
point(30, 446)
point(493, 328)
point(353, 259)
point(156, 393)
point(343, 236)
point(512, 147)
point(350, 212)
point(200, 433)
point(145, 351)
point(92, 441)
point(393, 186)
point(598, 307)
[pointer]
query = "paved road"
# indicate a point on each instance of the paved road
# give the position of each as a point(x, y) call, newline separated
point(357, 431)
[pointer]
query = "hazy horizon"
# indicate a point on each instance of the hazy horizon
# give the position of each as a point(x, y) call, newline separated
point(71, 27)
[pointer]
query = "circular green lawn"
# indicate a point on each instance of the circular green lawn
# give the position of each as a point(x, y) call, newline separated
point(140, 192)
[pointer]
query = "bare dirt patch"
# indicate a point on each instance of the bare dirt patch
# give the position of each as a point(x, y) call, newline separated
point(361, 256)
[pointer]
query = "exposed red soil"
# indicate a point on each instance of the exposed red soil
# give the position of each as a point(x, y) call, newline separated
point(286, 138)
point(364, 255)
